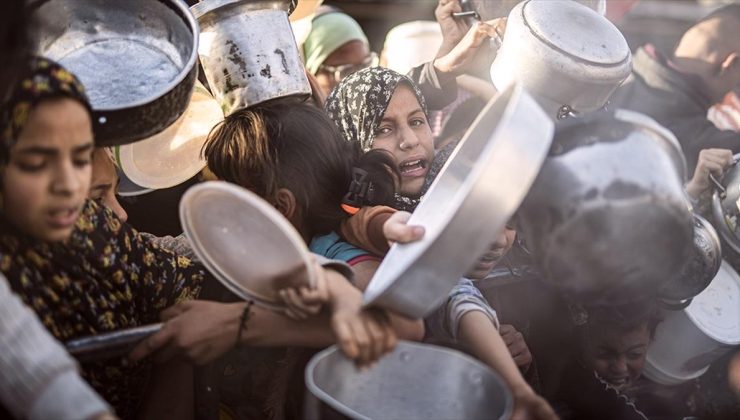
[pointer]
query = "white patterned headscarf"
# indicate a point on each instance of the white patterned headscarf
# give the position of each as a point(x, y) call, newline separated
point(357, 105)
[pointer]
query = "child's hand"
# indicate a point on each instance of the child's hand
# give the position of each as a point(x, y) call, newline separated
point(363, 335)
point(530, 406)
point(517, 346)
point(459, 58)
point(304, 302)
point(711, 162)
point(396, 229)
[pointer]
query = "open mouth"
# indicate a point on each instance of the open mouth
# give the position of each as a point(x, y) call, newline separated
point(413, 168)
point(63, 217)
point(618, 382)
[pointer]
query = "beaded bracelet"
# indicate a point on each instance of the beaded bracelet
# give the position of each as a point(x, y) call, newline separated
point(243, 322)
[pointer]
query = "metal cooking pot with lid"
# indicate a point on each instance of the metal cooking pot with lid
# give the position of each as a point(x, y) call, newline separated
point(726, 206)
point(607, 219)
point(136, 59)
point(569, 57)
point(701, 268)
point(248, 52)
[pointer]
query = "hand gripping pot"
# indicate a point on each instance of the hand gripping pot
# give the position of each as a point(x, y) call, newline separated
point(248, 52)
point(415, 381)
point(607, 219)
point(136, 59)
point(726, 206)
point(467, 206)
point(568, 57)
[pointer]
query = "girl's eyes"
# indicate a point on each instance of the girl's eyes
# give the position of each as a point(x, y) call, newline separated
point(383, 130)
point(31, 166)
point(81, 163)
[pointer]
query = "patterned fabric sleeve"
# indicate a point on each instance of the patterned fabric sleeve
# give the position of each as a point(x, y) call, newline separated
point(159, 278)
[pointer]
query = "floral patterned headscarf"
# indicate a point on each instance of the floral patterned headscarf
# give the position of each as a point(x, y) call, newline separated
point(358, 103)
point(42, 80)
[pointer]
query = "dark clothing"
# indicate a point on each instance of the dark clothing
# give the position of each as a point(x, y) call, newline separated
point(676, 101)
point(439, 91)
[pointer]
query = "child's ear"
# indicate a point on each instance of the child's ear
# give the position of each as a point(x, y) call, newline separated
point(286, 203)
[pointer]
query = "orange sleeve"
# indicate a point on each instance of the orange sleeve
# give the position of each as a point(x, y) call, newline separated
point(365, 229)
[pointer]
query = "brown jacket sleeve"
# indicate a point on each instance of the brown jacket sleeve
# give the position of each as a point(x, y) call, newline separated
point(365, 229)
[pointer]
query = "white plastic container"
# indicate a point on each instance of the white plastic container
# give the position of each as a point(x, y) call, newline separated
point(688, 341)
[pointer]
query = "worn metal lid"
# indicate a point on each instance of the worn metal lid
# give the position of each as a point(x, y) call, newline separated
point(576, 30)
point(245, 242)
point(716, 310)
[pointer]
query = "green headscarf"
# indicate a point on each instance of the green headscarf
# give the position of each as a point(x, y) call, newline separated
point(330, 31)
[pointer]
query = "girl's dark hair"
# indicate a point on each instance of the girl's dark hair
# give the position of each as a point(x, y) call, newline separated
point(296, 147)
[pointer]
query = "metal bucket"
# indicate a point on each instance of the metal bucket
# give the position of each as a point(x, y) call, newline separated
point(415, 381)
point(248, 52)
point(136, 59)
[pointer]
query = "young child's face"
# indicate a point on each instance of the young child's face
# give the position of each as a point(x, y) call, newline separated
point(404, 132)
point(47, 178)
point(105, 183)
point(617, 356)
point(495, 253)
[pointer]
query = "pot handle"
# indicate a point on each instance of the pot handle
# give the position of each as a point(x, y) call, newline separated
point(718, 185)
point(675, 306)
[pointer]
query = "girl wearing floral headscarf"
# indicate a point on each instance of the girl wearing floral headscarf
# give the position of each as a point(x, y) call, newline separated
point(73, 262)
point(382, 109)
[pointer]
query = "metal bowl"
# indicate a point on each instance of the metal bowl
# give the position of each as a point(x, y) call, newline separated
point(467, 206)
point(109, 345)
point(416, 381)
point(725, 207)
point(701, 268)
point(136, 59)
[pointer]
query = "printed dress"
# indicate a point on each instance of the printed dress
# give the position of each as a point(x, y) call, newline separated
point(105, 277)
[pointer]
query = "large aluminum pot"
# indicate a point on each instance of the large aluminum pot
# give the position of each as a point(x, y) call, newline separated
point(688, 341)
point(136, 59)
point(702, 267)
point(248, 52)
point(607, 219)
point(569, 57)
point(415, 381)
point(467, 206)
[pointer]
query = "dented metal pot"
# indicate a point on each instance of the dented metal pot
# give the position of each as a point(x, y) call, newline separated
point(248, 52)
point(607, 219)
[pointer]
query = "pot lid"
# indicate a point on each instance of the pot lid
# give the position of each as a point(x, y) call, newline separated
point(244, 242)
point(577, 31)
point(716, 310)
point(174, 155)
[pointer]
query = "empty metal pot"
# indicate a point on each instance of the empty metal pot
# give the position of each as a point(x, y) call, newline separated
point(248, 52)
point(607, 219)
point(136, 59)
point(415, 381)
point(702, 267)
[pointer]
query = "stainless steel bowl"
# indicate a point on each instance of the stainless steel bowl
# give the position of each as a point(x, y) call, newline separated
point(415, 381)
point(136, 59)
point(467, 206)
point(109, 345)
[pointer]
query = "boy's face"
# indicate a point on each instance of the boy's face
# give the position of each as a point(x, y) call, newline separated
point(493, 256)
point(618, 356)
